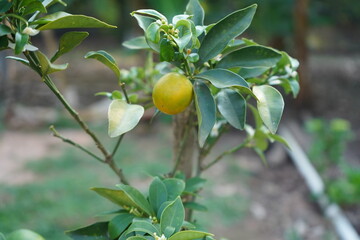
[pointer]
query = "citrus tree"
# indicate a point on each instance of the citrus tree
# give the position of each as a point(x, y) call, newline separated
point(203, 75)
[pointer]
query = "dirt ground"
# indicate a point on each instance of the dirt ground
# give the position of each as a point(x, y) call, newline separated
point(278, 198)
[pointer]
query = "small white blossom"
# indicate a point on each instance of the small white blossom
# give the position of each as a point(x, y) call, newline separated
point(159, 238)
point(30, 31)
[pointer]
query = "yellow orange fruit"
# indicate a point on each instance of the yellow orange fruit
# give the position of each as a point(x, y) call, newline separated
point(173, 93)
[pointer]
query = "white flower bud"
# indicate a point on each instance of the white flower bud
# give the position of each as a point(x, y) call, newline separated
point(30, 31)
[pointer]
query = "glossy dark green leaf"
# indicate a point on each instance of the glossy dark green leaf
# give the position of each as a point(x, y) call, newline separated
point(195, 9)
point(194, 184)
point(75, 21)
point(174, 188)
point(270, 105)
point(20, 41)
point(4, 30)
point(34, 6)
point(256, 115)
point(205, 108)
point(137, 197)
point(232, 46)
point(222, 78)
point(144, 226)
point(144, 21)
point(24, 234)
point(252, 72)
point(5, 6)
point(189, 235)
point(51, 17)
point(172, 216)
point(232, 107)
point(193, 57)
point(224, 31)
point(167, 51)
point(105, 58)
point(68, 42)
point(157, 194)
point(137, 43)
point(96, 231)
point(195, 206)
point(47, 67)
point(161, 209)
point(119, 223)
point(252, 56)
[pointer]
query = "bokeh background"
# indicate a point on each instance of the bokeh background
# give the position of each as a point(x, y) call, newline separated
point(44, 183)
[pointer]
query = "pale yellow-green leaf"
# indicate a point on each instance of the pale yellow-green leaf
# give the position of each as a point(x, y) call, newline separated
point(123, 117)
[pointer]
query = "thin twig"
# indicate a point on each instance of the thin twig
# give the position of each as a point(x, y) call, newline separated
point(182, 147)
point(230, 151)
point(117, 145)
point(69, 141)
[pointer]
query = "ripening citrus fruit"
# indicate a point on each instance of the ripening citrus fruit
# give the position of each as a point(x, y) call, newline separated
point(173, 93)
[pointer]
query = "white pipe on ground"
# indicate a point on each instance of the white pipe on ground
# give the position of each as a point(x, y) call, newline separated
point(342, 225)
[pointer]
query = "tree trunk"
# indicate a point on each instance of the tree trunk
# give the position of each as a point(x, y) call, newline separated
point(301, 29)
point(185, 141)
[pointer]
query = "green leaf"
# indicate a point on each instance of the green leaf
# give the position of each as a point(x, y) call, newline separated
point(290, 85)
point(167, 51)
point(105, 58)
point(48, 3)
point(185, 34)
point(149, 13)
point(193, 57)
point(194, 184)
point(252, 72)
point(174, 188)
point(137, 197)
point(136, 238)
point(278, 138)
point(195, 206)
point(50, 18)
point(260, 140)
point(137, 43)
point(75, 21)
point(222, 78)
point(123, 117)
point(4, 30)
point(68, 42)
point(252, 56)
point(157, 194)
point(224, 31)
point(172, 216)
point(195, 9)
point(96, 231)
point(116, 95)
point(144, 21)
point(152, 33)
point(47, 67)
point(20, 41)
point(5, 6)
point(34, 6)
point(161, 209)
point(118, 197)
point(232, 46)
point(233, 107)
point(2, 236)
point(189, 235)
point(143, 225)
point(205, 108)
point(270, 105)
point(24, 234)
point(21, 60)
point(119, 223)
